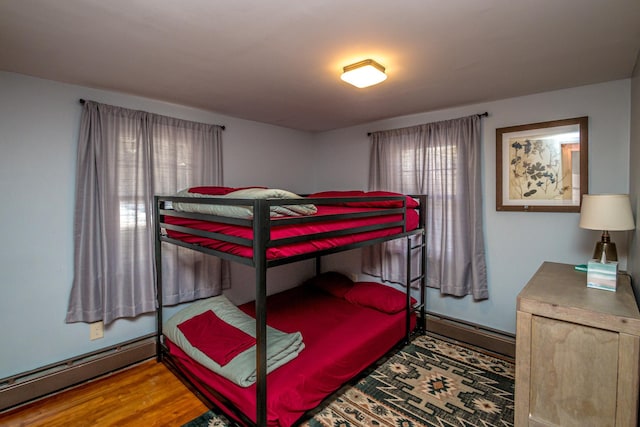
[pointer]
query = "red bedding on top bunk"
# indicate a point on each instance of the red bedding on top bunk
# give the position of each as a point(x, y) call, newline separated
point(341, 339)
point(279, 232)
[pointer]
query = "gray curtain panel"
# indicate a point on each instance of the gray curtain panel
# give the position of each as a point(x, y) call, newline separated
point(125, 157)
point(442, 160)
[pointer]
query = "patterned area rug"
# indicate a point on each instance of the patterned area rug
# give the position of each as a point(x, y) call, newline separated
point(208, 419)
point(429, 382)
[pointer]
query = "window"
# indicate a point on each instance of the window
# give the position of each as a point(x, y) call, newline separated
point(428, 159)
point(126, 157)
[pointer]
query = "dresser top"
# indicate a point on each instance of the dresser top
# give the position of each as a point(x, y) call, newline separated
point(559, 291)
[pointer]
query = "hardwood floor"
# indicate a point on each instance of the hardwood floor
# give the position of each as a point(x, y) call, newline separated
point(147, 394)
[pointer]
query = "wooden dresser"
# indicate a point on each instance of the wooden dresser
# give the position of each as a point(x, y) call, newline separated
point(577, 352)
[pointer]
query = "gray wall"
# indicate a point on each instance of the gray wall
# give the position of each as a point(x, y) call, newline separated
point(516, 242)
point(39, 122)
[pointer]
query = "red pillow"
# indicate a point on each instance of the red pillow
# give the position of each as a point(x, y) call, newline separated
point(332, 282)
point(215, 337)
point(338, 193)
point(378, 296)
point(212, 190)
point(411, 202)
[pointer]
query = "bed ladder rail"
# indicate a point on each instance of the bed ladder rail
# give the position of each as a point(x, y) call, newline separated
point(411, 248)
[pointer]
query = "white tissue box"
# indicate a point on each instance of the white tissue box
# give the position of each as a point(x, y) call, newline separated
point(602, 276)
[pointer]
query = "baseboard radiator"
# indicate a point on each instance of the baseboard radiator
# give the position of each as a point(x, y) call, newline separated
point(28, 386)
point(491, 340)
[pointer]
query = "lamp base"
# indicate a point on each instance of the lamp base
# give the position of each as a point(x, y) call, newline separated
point(606, 248)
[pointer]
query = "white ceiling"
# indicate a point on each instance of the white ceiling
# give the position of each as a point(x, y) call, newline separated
point(279, 61)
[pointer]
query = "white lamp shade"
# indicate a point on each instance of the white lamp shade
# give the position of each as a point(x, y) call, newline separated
point(606, 212)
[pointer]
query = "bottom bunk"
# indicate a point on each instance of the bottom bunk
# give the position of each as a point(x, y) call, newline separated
point(344, 326)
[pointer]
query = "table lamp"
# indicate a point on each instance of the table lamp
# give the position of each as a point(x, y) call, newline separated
point(606, 212)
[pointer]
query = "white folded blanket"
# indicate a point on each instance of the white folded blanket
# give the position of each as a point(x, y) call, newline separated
point(246, 211)
point(281, 347)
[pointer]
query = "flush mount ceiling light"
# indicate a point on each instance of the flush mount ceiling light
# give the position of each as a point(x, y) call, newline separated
point(364, 73)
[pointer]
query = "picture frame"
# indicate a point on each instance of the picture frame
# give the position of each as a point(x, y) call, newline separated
point(542, 167)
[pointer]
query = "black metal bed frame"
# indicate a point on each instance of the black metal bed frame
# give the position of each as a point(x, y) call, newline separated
point(261, 225)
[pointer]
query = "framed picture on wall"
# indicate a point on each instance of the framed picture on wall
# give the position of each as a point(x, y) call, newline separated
point(542, 167)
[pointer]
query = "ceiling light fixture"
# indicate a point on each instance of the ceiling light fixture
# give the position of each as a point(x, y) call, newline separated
point(364, 73)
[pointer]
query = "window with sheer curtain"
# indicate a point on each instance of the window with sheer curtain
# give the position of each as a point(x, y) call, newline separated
point(125, 157)
point(441, 160)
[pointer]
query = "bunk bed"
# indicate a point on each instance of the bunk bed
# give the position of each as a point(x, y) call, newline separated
point(263, 229)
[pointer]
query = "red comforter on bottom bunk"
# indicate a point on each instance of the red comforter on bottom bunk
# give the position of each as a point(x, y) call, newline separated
point(341, 339)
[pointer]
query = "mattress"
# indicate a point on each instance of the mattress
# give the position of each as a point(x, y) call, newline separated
point(341, 339)
point(391, 225)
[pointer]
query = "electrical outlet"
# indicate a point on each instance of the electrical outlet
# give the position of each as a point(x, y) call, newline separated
point(96, 330)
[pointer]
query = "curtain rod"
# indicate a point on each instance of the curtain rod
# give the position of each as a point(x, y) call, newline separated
point(481, 115)
point(82, 101)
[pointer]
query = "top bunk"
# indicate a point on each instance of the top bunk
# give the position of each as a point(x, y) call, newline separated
point(260, 226)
